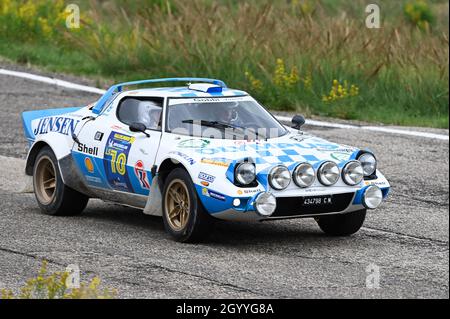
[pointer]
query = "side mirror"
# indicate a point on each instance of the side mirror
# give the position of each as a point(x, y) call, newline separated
point(139, 127)
point(298, 121)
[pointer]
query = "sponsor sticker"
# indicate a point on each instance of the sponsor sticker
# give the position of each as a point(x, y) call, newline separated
point(206, 177)
point(209, 193)
point(94, 179)
point(141, 174)
point(89, 165)
point(217, 195)
point(248, 191)
point(193, 143)
point(375, 183)
point(115, 161)
point(98, 136)
point(340, 156)
point(216, 162)
point(190, 160)
point(59, 124)
point(83, 148)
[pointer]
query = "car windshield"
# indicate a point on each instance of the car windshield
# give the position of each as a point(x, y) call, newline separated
point(239, 118)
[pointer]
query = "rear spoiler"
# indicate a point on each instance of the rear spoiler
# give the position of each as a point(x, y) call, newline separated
point(29, 116)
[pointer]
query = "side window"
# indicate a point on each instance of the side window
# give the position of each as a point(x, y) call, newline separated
point(141, 110)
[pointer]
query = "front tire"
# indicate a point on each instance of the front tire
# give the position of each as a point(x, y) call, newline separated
point(53, 196)
point(183, 214)
point(342, 224)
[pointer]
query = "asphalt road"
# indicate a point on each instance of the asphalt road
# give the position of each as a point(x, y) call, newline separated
point(407, 238)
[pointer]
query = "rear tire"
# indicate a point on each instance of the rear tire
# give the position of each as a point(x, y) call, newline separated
point(53, 196)
point(184, 216)
point(342, 224)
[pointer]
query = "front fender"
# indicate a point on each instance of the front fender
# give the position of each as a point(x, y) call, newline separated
point(181, 158)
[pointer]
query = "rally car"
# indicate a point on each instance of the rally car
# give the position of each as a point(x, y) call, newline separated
point(195, 153)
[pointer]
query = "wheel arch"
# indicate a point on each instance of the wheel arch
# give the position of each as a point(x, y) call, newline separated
point(32, 154)
point(166, 166)
point(59, 145)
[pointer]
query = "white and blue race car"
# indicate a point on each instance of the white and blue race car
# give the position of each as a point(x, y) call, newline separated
point(195, 153)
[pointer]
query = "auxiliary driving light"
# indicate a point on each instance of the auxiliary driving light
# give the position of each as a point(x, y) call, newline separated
point(372, 198)
point(353, 173)
point(328, 173)
point(279, 177)
point(265, 204)
point(304, 175)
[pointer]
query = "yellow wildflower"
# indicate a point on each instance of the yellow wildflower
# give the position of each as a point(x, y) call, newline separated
point(27, 12)
point(280, 73)
point(45, 27)
point(307, 82)
point(254, 82)
point(341, 91)
point(285, 80)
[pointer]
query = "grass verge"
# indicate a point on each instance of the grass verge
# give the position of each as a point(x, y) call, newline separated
point(314, 57)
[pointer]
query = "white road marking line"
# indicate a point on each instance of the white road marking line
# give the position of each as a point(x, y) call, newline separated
point(405, 132)
point(90, 89)
point(370, 128)
point(319, 123)
point(52, 81)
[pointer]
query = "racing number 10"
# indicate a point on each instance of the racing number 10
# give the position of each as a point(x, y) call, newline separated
point(118, 162)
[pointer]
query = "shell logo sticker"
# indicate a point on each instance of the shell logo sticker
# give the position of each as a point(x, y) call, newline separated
point(89, 165)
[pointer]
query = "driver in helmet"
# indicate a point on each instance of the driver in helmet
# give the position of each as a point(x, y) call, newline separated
point(155, 118)
point(150, 114)
point(229, 114)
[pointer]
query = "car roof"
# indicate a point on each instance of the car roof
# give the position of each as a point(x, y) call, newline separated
point(182, 91)
point(208, 88)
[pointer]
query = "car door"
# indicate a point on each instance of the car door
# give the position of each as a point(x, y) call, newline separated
point(112, 157)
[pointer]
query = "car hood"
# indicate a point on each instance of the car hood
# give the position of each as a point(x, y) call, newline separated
point(288, 150)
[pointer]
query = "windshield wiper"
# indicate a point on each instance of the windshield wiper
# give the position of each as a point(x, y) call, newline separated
point(217, 124)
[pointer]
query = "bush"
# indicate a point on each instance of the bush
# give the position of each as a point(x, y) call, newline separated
point(53, 286)
point(420, 14)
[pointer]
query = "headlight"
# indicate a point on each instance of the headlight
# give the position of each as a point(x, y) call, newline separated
point(328, 173)
point(304, 175)
point(369, 163)
point(245, 173)
point(265, 204)
point(279, 177)
point(353, 173)
point(373, 196)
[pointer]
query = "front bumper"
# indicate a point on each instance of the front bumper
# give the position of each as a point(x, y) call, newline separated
point(295, 207)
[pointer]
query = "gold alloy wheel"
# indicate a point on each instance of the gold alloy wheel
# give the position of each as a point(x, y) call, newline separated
point(177, 204)
point(45, 180)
